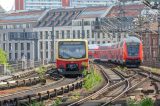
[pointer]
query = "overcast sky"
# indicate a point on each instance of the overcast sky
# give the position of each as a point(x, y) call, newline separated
point(7, 4)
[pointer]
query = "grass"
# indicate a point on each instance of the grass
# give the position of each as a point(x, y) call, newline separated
point(154, 70)
point(144, 102)
point(35, 104)
point(57, 102)
point(92, 79)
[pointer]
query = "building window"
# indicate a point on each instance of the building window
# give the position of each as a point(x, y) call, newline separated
point(41, 45)
point(98, 42)
point(22, 46)
point(88, 33)
point(4, 46)
point(92, 42)
point(78, 33)
point(46, 33)
point(47, 45)
point(68, 34)
point(46, 54)
point(4, 36)
point(28, 56)
point(22, 54)
point(92, 34)
point(28, 46)
point(108, 35)
point(16, 46)
point(57, 34)
point(41, 55)
point(62, 34)
point(16, 56)
point(10, 56)
point(41, 35)
point(104, 42)
point(103, 35)
point(10, 46)
point(74, 34)
point(98, 35)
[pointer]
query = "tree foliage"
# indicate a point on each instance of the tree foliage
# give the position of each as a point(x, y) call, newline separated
point(3, 57)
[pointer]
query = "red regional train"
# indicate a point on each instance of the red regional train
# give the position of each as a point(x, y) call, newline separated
point(128, 52)
point(72, 56)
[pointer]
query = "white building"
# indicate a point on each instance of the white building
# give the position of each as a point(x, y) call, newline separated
point(33, 34)
point(41, 4)
point(86, 3)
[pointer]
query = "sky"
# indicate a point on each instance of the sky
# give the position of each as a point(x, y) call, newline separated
point(7, 4)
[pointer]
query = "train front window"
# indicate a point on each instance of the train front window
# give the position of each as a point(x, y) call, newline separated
point(133, 49)
point(73, 49)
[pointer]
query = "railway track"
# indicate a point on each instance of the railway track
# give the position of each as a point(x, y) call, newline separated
point(112, 91)
point(40, 93)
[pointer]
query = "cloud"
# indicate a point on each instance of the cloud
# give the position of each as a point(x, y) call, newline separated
point(7, 4)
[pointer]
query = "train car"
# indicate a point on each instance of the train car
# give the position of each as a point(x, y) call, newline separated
point(128, 52)
point(72, 56)
point(93, 52)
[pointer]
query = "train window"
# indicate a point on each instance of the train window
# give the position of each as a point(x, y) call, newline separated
point(133, 49)
point(72, 50)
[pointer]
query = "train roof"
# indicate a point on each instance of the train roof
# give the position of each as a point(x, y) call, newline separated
point(132, 39)
point(72, 40)
point(93, 46)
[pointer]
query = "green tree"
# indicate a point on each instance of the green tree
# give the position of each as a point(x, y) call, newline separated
point(3, 57)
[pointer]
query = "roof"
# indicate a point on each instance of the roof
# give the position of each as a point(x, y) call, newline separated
point(130, 10)
point(93, 47)
point(93, 12)
point(25, 16)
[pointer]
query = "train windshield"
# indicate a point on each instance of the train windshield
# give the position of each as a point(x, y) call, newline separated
point(133, 49)
point(74, 49)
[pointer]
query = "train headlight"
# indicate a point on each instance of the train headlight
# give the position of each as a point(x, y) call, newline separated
point(85, 64)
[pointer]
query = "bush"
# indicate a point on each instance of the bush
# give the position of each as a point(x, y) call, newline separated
point(92, 79)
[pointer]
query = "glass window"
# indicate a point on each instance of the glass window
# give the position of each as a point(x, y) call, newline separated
point(4, 46)
point(46, 34)
point(22, 46)
point(10, 46)
point(78, 33)
point(88, 33)
point(46, 54)
point(92, 34)
point(74, 34)
point(28, 46)
point(57, 34)
point(4, 36)
point(41, 35)
point(98, 35)
point(28, 55)
point(47, 45)
point(72, 49)
point(68, 34)
point(133, 49)
point(16, 46)
point(41, 45)
point(10, 56)
point(16, 56)
point(62, 34)
point(22, 54)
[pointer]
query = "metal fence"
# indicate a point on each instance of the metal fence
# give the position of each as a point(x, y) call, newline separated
point(155, 64)
point(17, 66)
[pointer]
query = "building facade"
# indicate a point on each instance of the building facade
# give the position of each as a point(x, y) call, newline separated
point(19, 4)
point(48, 4)
point(33, 34)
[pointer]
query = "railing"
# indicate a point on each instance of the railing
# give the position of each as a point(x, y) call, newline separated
point(20, 66)
point(151, 63)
